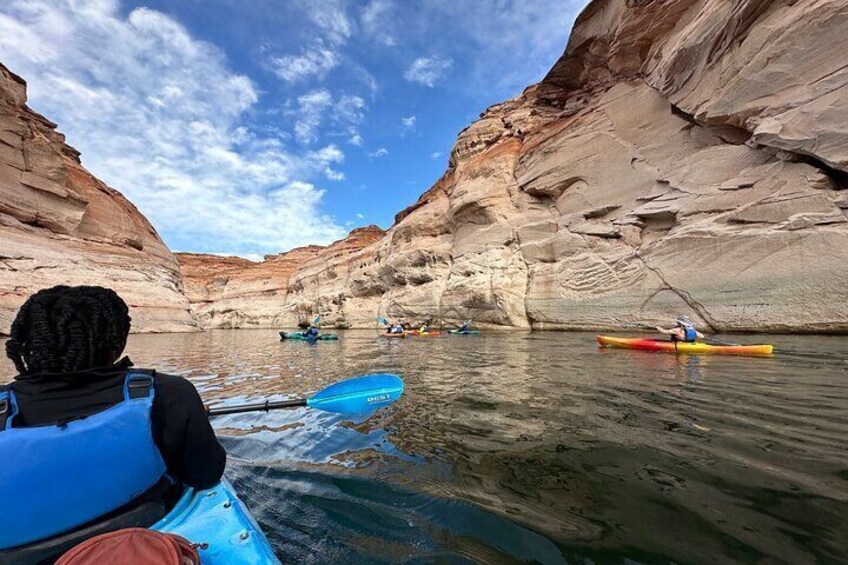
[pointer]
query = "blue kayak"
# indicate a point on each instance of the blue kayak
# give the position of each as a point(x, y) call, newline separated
point(466, 332)
point(221, 525)
point(299, 336)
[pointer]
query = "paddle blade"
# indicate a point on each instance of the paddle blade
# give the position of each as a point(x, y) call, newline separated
point(359, 394)
point(316, 320)
point(382, 320)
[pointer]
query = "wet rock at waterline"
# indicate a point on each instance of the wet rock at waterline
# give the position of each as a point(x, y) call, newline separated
point(60, 225)
point(682, 156)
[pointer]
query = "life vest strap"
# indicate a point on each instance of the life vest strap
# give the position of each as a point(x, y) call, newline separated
point(4, 408)
point(139, 384)
point(8, 408)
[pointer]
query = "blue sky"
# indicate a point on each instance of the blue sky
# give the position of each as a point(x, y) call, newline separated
point(253, 127)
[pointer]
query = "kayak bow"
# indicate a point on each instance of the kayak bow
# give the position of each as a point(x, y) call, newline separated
point(218, 521)
point(643, 344)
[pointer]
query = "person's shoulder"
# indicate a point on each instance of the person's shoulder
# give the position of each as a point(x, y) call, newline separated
point(167, 385)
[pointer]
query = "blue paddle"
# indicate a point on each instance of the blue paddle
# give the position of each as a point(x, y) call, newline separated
point(352, 396)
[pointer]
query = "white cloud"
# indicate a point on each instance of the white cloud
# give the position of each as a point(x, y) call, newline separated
point(318, 107)
point(502, 50)
point(428, 71)
point(311, 109)
point(161, 117)
point(360, 216)
point(381, 152)
point(316, 61)
point(331, 17)
point(377, 21)
point(356, 140)
point(408, 122)
point(435, 155)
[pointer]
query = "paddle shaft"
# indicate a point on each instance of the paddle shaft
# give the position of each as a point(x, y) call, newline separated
point(266, 406)
point(705, 338)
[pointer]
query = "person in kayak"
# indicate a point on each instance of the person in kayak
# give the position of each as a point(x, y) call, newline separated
point(92, 437)
point(683, 330)
point(311, 333)
point(395, 328)
point(464, 328)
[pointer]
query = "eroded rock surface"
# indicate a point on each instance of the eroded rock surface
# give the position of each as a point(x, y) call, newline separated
point(682, 157)
point(60, 225)
point(230, 292)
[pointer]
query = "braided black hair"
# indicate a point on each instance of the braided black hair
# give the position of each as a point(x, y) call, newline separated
point(68, 328)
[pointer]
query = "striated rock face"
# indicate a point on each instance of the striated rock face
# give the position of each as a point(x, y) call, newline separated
point(682, 157)
point(60, 225)
point(229, 292)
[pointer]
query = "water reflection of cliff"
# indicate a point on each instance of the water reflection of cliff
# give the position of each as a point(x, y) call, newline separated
point(604, 453)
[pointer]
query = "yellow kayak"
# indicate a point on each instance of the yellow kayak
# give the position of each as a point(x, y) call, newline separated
point(643, 344)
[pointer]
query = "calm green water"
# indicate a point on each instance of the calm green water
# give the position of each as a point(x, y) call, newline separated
point(535, 448)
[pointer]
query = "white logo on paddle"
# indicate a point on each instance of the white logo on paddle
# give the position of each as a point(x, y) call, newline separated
point(378, 398)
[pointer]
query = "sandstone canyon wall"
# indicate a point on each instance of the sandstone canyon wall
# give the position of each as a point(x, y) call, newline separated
point(230, 292)
point(60, 225)
point(682, 156)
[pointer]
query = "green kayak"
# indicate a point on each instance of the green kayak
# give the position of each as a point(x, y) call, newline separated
point(301, 337)
point(466, 332)
point(221, 525)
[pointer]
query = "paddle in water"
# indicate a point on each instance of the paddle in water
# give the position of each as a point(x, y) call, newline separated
point(351, 396)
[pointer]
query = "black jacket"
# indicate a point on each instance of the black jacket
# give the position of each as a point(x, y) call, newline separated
point(181, 427)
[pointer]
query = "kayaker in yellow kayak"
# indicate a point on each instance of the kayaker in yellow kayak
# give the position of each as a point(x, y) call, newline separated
point(83, 434)
point(684, 330)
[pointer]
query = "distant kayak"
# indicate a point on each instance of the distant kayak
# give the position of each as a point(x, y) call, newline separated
point(431, 333)
point(299, 336)
point(643, 344)
point(220, 524)
point(466, 332)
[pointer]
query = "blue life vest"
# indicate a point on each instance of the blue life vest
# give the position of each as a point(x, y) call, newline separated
point(55, 478)
point(689, 334)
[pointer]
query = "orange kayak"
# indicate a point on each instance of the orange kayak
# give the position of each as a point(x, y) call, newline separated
point(644, 344)
point(430, 333)
point(394, 335)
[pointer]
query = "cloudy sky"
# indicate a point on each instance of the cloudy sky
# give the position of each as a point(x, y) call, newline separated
point(252, 127)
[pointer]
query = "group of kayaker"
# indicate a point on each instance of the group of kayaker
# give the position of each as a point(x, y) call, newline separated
point(422, 328)
point(74, 394)
point(85, 434)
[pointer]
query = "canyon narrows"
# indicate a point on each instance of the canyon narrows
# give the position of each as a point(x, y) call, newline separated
point(682, 157)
